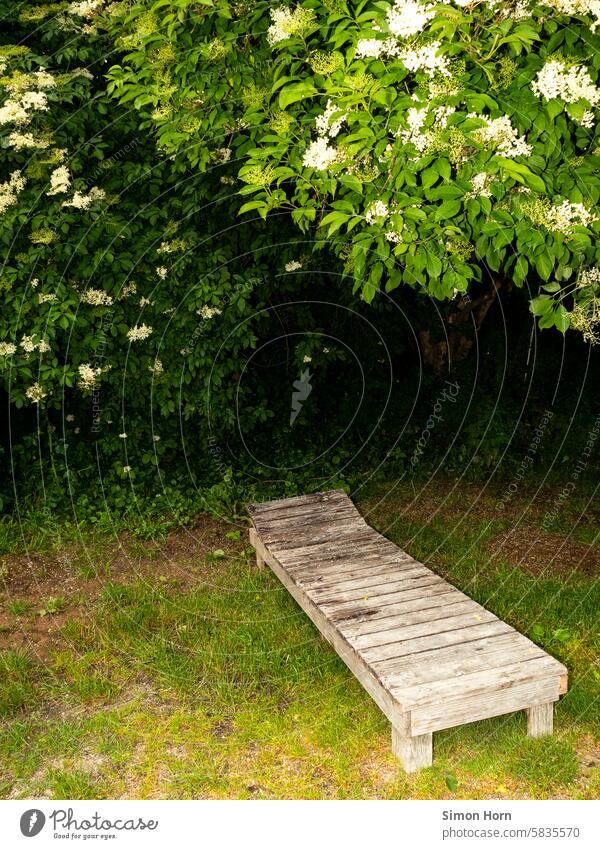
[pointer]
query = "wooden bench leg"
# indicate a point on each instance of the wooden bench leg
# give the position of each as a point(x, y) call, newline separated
point(413, 752)
point(255, 542)
point(540, 719)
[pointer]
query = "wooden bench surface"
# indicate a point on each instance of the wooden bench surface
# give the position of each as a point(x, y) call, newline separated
point(430, 656)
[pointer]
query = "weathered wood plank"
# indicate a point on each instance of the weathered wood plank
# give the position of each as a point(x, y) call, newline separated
point(418, 588)
point(461, 710)
point(414, 616)
point(443, 594)
point(347, 561)
point(364, 581)
point(317, 577)
point(485, 681)
point(387, 581)
point(460, 640)
point(460, 621)
point(452, 661)
point(365, 543)
point(342, 610)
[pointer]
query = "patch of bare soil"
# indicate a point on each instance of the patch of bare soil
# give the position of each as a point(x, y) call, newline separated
point(452, 501)
point(544, 554)
point(77, 575)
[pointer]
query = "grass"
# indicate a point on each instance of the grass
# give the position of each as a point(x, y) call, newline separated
point(196, 676)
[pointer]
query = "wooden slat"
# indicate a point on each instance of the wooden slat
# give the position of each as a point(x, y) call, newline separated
point(453, 661)
point(348, 562)
point(460, 709)
point(364, 543)
point(415, 589)
point(486, 681)
point(460, 640)
point(385, 581)
point(360, 579)
point(307, 577)
point(375, 627)
point(428, 627)
point(339, 611)
point(367, 677)
point(442, 594)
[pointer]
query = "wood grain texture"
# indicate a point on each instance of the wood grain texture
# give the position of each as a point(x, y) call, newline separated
point(429, 656)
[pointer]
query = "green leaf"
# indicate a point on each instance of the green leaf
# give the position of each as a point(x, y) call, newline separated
point(562, 319)
point(544, 265)
point(448, 209)
point(296, 92)
point(451, 782)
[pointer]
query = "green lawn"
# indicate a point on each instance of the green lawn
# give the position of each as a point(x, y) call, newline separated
point(172, 668)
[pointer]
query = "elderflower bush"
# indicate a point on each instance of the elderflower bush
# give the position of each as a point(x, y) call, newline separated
point(427, 144)
point(121, 276)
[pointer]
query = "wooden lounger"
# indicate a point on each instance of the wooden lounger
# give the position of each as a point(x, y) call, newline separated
point(429, 656)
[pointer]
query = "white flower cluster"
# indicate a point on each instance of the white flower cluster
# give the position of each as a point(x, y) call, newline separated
point(60, 180)
point(589, 277)
point(139, 332)
point(426, 58)
point(500, 133)
point(127, 290)
point(35, 393)
point(81, 201)
point(407, 18)
point(288, 22)
point(570, 84)
point(7, 349)
point(10, 190)
point(85, 8)
point(294, 265)
point(564, 216)
point(157, 367)
point(46, 297)
point(416, 118)
point(16, 110)
point(325, 126)
point(96, 297)
point(26, 141)
point(480, 183)
point(208, 312)
point(162, 271)
point(379, 209)
point(394, 237)
point(320, 154)
point(88, 376)
point(578, 7)
point(29, 346)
